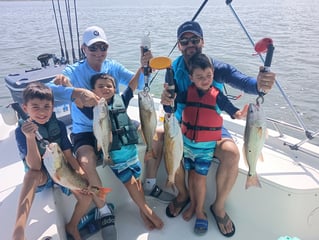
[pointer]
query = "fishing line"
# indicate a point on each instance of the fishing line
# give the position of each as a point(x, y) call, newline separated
point(58, 30)
point(193, 19)
point(77, 31)
point(66, 50)
point(68, 14)
point(308, 134)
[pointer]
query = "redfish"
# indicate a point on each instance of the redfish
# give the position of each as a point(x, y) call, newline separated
point(173, 147)
point(254, 139)
point(62, 172)
point(148, 120)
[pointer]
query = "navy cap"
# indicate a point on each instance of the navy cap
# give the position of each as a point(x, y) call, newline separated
point(190, 26)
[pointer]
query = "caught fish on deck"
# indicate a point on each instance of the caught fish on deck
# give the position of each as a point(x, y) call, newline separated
point(62, 172)
point(102, 129)
point(254, 139)
point(148, 120)
point(173, 147)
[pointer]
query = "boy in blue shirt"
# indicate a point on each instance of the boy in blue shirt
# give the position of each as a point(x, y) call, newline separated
point(38, 104)
point(123, 151)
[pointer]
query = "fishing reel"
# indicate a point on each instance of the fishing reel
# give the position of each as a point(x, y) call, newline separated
point(45, 57)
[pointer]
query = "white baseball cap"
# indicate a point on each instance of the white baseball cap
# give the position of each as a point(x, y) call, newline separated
point(94, 34)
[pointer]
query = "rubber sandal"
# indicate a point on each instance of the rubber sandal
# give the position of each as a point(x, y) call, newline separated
point(107, 225)
point(159, 194)
point(223, 221)
point(180, 205)
point(201, 226)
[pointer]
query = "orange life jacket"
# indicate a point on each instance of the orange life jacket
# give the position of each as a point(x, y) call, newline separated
point(200, 120)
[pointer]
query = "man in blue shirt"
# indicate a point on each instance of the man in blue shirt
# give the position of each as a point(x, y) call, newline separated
point(74, 85)
point(191, 41)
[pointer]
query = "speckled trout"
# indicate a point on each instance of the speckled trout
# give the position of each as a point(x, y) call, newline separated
point(148, 120)
point(254, 139)
point(102, 129)
point(173, 147)
point(62, 172)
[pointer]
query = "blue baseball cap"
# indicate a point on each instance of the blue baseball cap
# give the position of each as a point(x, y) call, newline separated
point(190, 26)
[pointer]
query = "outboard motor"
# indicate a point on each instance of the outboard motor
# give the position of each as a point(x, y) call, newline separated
point(45, 57)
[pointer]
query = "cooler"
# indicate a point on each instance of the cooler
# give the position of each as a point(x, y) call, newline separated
point(16, 82)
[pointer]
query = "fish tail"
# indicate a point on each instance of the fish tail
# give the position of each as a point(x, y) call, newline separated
point(108, 162)
point(103, 192)
point(170, 184)
point(252, 181)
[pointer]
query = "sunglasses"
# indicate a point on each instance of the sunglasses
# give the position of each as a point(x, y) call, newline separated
point(95, 47)
point(193, 40)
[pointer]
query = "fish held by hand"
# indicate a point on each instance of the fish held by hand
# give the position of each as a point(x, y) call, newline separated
point(63, 174)
point(254, 139)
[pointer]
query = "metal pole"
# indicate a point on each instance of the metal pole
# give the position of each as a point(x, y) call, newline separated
point(228, 2)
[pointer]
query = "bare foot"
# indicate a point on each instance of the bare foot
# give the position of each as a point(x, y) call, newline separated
point(73, 231)
point(149, 225)
point(175, 207)
point(189, 213)
point(153, 218)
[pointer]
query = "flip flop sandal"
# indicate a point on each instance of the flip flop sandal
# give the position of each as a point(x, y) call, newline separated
point(180, 205)
point(201, 226)
point(223, 221)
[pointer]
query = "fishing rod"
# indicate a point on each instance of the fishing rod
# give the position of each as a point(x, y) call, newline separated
point(193, 19)
point(66, 50)
point(77, 31)
point(308, 133)
point(68, 14)
point(58, 30)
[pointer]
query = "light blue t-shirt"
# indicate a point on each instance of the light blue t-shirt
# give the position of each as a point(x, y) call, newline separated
point(80, 74)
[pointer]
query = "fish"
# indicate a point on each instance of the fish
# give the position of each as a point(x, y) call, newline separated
point(254, 139)
point(173, 147)
point(62, 172)
point(148, 121)
point(102, 130)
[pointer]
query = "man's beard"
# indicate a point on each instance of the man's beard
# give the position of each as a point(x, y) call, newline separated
point(188, 54)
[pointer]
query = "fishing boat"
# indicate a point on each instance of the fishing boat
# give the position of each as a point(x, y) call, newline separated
point(285, 207)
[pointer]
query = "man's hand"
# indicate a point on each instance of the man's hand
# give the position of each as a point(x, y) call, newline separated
point(166, 97)
point(265, 80)
point(85, 98)
point(62, 80)
point(146, 57)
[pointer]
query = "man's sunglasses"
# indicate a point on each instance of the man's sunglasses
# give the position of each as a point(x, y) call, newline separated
point(193, 40)
point(95, 47)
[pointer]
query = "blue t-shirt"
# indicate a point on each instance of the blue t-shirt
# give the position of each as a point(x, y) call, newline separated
point(80, 74)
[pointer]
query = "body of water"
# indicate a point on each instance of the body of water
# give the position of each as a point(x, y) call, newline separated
point(28, 29)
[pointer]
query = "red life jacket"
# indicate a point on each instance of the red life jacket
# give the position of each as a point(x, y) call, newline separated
point(200, 120)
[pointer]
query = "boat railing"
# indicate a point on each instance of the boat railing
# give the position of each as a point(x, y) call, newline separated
point(309, 135)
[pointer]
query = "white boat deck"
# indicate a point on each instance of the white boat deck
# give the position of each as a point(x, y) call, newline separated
point(286, 205)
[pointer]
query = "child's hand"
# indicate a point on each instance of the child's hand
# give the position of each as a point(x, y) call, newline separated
point(29, 129)
point(241, 114)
